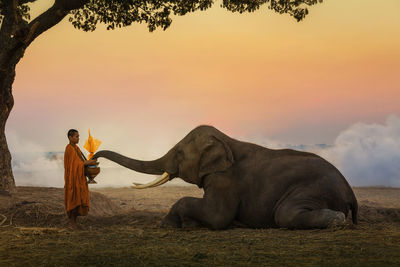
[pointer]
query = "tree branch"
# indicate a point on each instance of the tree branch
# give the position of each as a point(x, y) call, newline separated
point(51, 17)
point(16, 37)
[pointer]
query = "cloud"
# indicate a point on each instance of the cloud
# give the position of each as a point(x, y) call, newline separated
point(368, 154)
point(34, 165)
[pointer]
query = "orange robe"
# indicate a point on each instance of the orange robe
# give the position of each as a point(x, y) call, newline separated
point(76, 191)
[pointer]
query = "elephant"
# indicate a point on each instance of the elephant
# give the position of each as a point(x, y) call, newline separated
point(248, 184)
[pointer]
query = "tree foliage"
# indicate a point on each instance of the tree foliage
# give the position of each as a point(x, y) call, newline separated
point(157, 13)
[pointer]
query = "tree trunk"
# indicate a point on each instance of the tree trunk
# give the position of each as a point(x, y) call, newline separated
point(16, 34)
point(7, 182)
point(11, 52)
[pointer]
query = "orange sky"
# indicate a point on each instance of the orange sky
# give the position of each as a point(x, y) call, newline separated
point(250, 75)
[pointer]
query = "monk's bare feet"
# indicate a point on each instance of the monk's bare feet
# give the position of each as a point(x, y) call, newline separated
point(73, 226)
point(72, 223)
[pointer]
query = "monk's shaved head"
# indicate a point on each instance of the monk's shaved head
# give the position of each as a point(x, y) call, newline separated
point(71, 132)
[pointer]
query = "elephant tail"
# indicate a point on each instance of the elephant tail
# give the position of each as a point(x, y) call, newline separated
point(354, 211)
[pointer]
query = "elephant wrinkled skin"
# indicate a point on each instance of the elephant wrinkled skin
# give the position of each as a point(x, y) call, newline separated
point(247, 183)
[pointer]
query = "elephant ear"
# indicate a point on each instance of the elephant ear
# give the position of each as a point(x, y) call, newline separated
point(216, 157)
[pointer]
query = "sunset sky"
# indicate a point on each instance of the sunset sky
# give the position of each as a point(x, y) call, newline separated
point(254, 76)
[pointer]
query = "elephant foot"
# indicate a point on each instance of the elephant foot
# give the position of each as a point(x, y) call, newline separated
point(309, 219)
point(174, 222)
point(338, 219)
point(170, 222)
point(189, 223)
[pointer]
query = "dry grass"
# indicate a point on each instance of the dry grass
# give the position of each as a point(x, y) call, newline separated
point(122, 236)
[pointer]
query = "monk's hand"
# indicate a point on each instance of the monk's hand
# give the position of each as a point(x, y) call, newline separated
point(94, 162)
point(91, 162)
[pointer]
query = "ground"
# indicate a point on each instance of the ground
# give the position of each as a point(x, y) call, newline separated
point(122, 229)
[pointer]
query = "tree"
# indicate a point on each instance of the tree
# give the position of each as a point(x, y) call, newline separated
point(18, 31)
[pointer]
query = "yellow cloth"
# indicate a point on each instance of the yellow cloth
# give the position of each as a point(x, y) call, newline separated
point(91, 145)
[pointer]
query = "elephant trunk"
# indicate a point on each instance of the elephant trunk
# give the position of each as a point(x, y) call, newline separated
point(150, 167)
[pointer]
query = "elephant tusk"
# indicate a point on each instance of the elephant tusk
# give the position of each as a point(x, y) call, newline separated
point(159, 181)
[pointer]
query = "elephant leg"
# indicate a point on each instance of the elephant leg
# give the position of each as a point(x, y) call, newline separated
point(176, 216)
point(188, 211)
point(295, 215)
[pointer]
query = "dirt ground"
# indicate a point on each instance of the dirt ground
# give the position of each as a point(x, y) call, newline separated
point(122, 229)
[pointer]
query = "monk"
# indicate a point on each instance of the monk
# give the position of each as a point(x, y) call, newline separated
point(76, 191)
